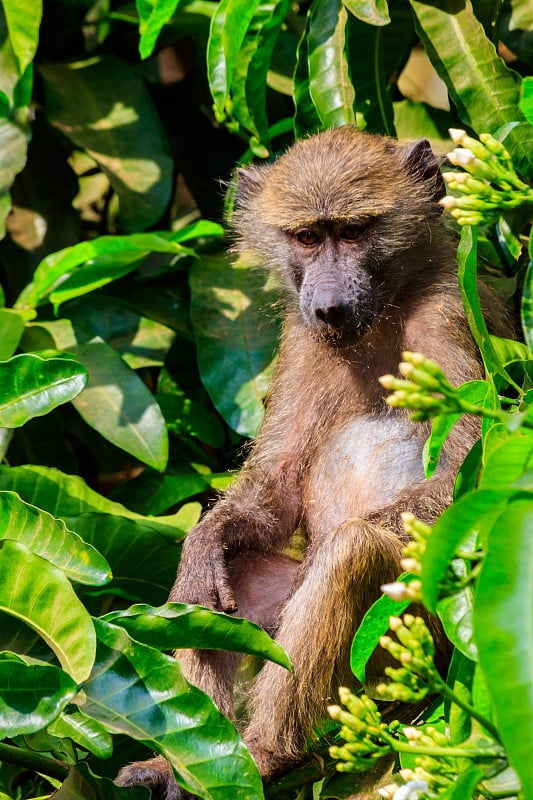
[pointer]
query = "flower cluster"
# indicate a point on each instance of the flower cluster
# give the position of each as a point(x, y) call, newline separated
point(411, 562)
point(363, 731)
point(489, 186)
point(414, 649)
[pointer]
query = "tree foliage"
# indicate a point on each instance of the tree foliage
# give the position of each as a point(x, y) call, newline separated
point(136, 354)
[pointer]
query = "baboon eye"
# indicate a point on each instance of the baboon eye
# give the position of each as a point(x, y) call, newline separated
point(353, 231)
point(306, 236)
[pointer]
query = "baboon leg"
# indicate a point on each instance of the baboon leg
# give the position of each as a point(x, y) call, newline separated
point(340, 579)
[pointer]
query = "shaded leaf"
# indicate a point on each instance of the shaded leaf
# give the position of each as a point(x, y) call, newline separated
point(31, 696)
point(306, 119)
point(31, 386)
point(235, 340)
point(103, 106)
point(330, 85)
point(49, 538)
point(177, 625)
point(14, 135)
point(82, 784)
point(48, 605)
point(135, 690)
point(11, 329)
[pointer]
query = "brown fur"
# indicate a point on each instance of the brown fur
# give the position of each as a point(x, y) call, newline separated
point(331, 456)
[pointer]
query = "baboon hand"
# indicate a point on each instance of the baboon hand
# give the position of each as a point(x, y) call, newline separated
point(156, 775)
point(203, 576)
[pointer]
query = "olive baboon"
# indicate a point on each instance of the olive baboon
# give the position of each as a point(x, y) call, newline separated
point(351, 223)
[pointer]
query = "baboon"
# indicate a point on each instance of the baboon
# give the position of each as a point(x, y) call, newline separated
point(352, 225)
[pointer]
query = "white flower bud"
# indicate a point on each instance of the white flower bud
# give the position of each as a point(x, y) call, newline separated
point(461, 157)
point(396, 591)
point(456, 135)
point(411, 790)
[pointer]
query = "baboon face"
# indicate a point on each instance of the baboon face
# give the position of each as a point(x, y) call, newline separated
point(338, 217)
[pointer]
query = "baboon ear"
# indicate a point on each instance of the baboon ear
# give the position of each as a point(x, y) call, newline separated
point(250, 181)
point(420, 161)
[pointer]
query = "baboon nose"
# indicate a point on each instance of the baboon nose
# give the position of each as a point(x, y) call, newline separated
point(329, 309)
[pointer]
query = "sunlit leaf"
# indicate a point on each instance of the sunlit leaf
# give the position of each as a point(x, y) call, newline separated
point(138, 691)
point(373, 12)
point(177, 625)
point(86, 732)
point(31, 386)
point(40, 595)
point(49, 538)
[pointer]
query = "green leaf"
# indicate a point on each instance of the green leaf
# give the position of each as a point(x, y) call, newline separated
point(119, 406)
point(251, 68)
point(135, 690)
point(465, 784)
point(86, 732)
point(475, 392)
point(31, 696)
point(67, 496)
point(467, 274)
point(373, 12)
point(228, 29)
point(526, 99)
point(103, 107)
point(484, 91)
point(31, 386)
point(460, 679)
point(235, 340)
point(82, 784)
point(473, 512)
point(505, 634)
point(306, 119)
point(23, 18)
point(455, 613)
point(375, 623)
point(49, 538)
point(330, 85)
point(88, 265)
point(48, 605)
point(11, 330)
point(153, 14)
point(373, 101)
point(526, 308)
point(176, 625)
point(509, 464)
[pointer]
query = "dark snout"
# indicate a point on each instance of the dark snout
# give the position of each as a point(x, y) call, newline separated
point(329, 308)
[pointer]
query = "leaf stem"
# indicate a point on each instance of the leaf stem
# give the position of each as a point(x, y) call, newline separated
point(28, 759)
point(445, 752)
point(443, 687)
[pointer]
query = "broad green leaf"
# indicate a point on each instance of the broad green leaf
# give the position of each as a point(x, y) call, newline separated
point(484, 91)
point(135, 690)
point(373, 12)
point(82, 784)
point(228, 29)
point(473, 392)
point(31, 386)
point(11, 329)
point(120, 407)
point(460, 679)
point(465, 784)
point(455, 613)
point(473, 512)
point(49, 538)
point(420, 121)
point(509, 465)
point(153, 14)
point(330, 85)
point(154, 492)
point(31, 696)
point(143, 562)
point(86, 732)
point(23, 18)
point(66, 496)
point(140, 341)
point(176, 625)
point(373, 101)
point(235, 341)
point(39, 594)
point(14, 135)
point(504, 633)
point(306, 119)
point(375, 623)
point(251, 68)
point(94, 263)
point(103, 107)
